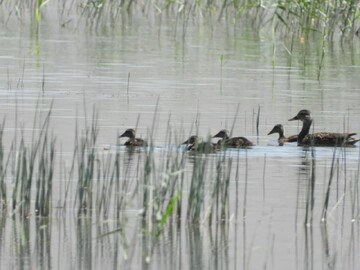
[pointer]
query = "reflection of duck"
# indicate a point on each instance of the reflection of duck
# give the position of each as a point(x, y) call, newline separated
point(132, 141)
point(320, 138)
point(235, 142)
point(282, 139)
point(195, 143)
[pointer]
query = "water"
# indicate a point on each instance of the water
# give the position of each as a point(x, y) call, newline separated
point(145, 74)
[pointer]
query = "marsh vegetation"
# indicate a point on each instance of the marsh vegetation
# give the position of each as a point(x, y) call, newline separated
point(76, 74)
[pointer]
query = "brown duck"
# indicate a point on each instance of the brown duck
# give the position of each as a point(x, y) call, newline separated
point(132, 141)
point(282, 139)
point(235, 142)
point(320, 138)
point(195, 143)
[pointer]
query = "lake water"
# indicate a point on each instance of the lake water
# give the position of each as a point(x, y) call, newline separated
point(147, 73)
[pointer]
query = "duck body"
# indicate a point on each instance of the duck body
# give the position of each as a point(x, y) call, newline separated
point(235, 142)
point(132, 141)
point(195, 143)
point(282, 139)
point(329, 139)
point(321, 138)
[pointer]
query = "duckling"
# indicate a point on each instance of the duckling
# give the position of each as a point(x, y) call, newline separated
point(235, 142)
point(320, 138)
point(132, 141)
point(282, 139)
point(195, 143)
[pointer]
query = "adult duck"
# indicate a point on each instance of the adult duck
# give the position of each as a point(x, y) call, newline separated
point(132, 141)
point(282, 139)
point(195, 143)
point(235, 142)
point(320, 138)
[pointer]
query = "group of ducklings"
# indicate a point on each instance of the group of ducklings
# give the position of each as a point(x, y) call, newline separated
point(194, 143)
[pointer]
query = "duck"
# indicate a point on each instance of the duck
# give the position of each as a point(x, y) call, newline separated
point(195, 143)
point(320, 138)
point(282, 139)
point(132, 141)
point(235, 142)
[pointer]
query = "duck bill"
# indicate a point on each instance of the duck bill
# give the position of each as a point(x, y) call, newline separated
point(186, 142)
point(294, 118)
point(123, 135)
point(271, 132)
point(217, 135)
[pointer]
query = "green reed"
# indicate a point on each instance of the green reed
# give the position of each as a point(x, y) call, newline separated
point(162, 187)
point(104, 187)
point(3, 169)
point(298, 22)
point(106, 184)
point(310, 191)
point(327, 195)
point(298, 16)
point(45, 177)
point(41, 155)
point(170, 194)
point(121, 186)
point(219, 206)
point(86, 160)
point(197, 189)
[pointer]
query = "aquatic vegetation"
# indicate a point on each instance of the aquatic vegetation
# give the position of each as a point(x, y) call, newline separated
point(169, 189)
point(86, 160)
point(300, 17)
point(80, 199)
point(317, 15)
point(3, 168)
point(293, 26)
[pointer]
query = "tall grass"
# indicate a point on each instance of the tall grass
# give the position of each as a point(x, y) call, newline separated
point(300, 16)
point(170, 186)
point(291, 23)
point(329, 185)
point(219, 210)
point(3, 169)
point(86, 160)
point(310, 192)
point(197, 190)
point(40, 153)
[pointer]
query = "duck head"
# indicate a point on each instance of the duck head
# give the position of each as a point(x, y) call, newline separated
point(302, 115)
point(277, 129)
point(192, 139)
point(224, 134)
point(129, 133)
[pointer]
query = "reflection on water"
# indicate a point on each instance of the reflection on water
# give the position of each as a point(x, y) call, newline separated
point(234, 225)
point(259, 208)
point(224, 246)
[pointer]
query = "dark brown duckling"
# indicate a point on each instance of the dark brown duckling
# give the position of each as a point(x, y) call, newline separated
point(321, 138)
point(282, 139)
point(132, 141)
point(195, 143)
point(235, 142)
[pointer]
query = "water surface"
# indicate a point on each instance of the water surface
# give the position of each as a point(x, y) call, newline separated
point(150, 77)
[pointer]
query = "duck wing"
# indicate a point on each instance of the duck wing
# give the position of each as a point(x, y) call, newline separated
point(203, 147)
point(238, 142)
point(135, 142)
point(292, 138)
point(330, 139)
